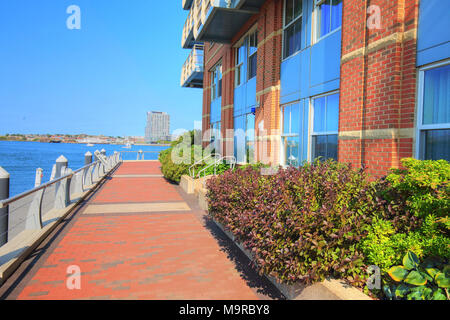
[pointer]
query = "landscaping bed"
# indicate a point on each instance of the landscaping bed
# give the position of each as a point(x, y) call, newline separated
point(327, 220)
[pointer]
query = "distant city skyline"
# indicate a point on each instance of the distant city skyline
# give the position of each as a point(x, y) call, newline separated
point(98, 80)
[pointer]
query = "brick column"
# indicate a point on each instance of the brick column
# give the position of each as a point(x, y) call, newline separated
point(378, 78)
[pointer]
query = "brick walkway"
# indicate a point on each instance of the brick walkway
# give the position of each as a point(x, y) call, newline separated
point(138, 237)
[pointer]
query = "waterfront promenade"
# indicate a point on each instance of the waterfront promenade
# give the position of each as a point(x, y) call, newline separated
point(138, 237)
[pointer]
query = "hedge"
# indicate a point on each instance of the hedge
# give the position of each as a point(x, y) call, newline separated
point(326, 219)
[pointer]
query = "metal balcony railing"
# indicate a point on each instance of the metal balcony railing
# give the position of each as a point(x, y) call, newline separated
point(187, 38)
point(192, 71)
point(217, 20)
point(186, 4)
point(34, 209)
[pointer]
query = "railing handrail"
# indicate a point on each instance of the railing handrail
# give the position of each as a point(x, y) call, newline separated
point(192, 174)
point(6, 202)
point(233, 163)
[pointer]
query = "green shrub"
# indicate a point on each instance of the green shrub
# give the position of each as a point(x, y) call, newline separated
point(413, 215)
point(413, 280)
point(423, 185)
point(301, 224)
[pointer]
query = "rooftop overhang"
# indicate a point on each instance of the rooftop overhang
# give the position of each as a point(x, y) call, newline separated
point(222, 24)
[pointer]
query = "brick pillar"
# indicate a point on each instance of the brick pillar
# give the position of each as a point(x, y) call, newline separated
point(378, 77)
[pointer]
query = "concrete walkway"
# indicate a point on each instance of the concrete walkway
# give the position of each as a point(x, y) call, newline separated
point(138, 237)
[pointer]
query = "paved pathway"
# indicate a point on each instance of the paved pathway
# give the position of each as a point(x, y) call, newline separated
point(138, 237)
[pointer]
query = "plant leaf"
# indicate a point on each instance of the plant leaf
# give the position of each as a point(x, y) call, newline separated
point(416, 293)
point(401, 290)
point(410, 260)
point(398, 273)
point(432, 271)
point(415, 278)
point(388, 292)
point(442, 280)
point(438, 295)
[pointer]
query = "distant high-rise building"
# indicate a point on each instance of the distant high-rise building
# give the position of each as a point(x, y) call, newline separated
point(158, 127)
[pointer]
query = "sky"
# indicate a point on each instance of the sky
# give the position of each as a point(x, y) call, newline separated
point(101, 79)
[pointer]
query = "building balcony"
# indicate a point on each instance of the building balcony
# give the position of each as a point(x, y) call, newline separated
point(187, 38)
point(187, 4)
point(219, 20)
point(192, 72)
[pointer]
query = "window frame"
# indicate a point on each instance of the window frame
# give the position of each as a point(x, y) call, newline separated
point(420, 127)
point(315, 26)
point(283, 43)
point(311, 133)
point(255, 34)
point(216, 83)
point(238, 66)
point(284, 136)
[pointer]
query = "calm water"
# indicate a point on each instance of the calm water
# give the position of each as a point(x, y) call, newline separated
point(21, 159)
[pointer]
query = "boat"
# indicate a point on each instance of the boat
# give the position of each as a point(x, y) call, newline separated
point(127, 146)
point(89, 145)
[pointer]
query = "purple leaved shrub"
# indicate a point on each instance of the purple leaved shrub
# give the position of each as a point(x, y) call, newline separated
point(301, 224)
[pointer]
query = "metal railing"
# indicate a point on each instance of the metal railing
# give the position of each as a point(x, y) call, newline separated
point(33, 209)
point(192, 168)
point(193, 63)
point(231, 160)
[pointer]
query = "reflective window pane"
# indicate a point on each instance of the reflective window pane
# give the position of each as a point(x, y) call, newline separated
point(319, 114)
point(336, 14)
point(295, 119)
point(291, 147)
point(332, 146)
point(286, 119)
point(324, 19)
point(252, 63)
point(289, 12)
point(332, 113)
point(436, 99)
point(437, 144)
point(319, 147)
point(292, 38)
point(297, 8)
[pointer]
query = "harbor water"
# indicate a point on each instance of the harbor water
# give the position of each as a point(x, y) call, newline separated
point(21, 159)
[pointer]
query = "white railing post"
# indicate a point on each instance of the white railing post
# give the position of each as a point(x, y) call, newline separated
point(4, 194)
point(60, 187)
point(38, 178)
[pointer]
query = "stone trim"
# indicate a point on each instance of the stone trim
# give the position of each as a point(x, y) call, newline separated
point(267, 90)
point(397, 37)
point(377, 134)
point(270, 36)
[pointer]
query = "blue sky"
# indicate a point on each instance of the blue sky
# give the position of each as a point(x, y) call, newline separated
point(126, 60)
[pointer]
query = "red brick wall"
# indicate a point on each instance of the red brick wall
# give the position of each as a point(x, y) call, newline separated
point(378, 88)
point(377, 93)
point(269, 22)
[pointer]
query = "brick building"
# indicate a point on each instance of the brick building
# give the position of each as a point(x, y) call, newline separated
point(361, 81)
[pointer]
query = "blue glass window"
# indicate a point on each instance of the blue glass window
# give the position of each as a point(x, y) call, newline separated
point(325, 127)
point(290, 137)
point(292, 27)
point(252, 54)
point(329, 16)
point(216, 82)
point(244, 138)
point(434, 130)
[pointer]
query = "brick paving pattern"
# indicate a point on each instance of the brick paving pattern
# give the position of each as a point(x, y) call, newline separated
point(147, 255)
